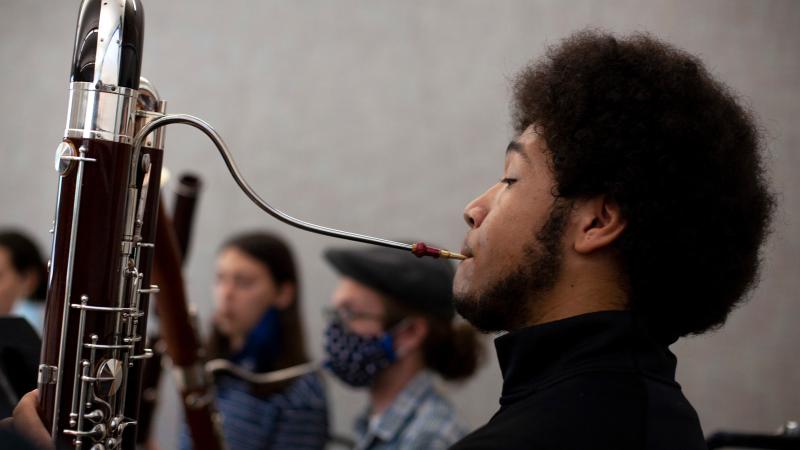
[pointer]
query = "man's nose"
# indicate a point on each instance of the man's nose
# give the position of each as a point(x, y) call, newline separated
point(475, 212)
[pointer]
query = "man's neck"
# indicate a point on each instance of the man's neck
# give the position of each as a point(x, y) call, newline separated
point(591, 289)
point(392, 381)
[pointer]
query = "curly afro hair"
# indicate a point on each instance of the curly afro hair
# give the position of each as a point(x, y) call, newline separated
point(646, 125)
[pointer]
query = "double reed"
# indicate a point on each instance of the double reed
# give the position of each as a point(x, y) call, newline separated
point(102, 249)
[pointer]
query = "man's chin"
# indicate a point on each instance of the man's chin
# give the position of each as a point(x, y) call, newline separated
point(460, 290)
point(502, 305)
point(479, 311)
point(464, 278)
point(475, 304)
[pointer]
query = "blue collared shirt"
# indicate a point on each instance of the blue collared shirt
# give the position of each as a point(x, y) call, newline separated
point(419, 418)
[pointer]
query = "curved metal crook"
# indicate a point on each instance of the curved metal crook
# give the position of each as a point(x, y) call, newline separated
point(251, 194)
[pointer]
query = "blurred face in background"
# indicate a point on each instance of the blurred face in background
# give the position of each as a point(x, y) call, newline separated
point(360, 307)
point(13, 285)
point(244, 290)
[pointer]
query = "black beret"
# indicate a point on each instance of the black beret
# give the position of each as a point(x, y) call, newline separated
point(422, 284)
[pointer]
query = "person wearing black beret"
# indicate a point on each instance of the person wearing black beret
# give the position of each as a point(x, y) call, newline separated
point(391, 327)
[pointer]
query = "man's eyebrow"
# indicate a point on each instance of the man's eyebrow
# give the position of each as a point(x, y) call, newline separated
point(517, 147)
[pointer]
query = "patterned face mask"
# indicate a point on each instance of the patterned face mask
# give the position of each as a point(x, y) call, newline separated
point(356, 359)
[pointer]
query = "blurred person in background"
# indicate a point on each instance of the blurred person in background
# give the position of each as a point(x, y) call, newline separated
point(257, 326)
point(391, 329)
point(23, 278)
point(23, 287)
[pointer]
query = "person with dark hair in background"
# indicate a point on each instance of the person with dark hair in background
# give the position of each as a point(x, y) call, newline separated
point(23, 278)
point(23, 287)
point(391, 327)
point(631, 212)
point(257, 326)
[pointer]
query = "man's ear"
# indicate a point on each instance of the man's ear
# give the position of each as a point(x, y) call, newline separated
point(286, 294)
point(410, 335)
point(600, 223)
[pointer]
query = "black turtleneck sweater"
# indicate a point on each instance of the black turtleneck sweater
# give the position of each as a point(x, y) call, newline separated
point(596, 381)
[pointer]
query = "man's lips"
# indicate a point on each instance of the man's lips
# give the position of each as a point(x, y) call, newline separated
point(466, 250)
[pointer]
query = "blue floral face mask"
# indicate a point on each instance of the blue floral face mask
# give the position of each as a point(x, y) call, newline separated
point(355, 359)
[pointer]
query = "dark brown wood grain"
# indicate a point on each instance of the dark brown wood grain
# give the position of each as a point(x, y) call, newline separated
point(97, 265)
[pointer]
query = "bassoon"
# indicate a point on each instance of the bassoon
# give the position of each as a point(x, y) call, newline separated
point(103, 231)
point(183, 344)
point(109, 168)
point(187, 191)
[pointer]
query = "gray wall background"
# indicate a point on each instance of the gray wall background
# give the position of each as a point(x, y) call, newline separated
point(388, 117)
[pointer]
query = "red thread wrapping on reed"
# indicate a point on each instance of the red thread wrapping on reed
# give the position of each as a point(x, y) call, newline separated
point(420, 249)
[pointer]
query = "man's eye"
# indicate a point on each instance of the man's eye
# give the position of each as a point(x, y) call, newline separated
point(508, 181)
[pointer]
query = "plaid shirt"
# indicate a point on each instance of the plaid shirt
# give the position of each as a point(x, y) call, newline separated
point(419, 418)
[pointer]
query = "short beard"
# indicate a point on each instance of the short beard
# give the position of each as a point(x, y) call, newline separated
point(509, 303)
